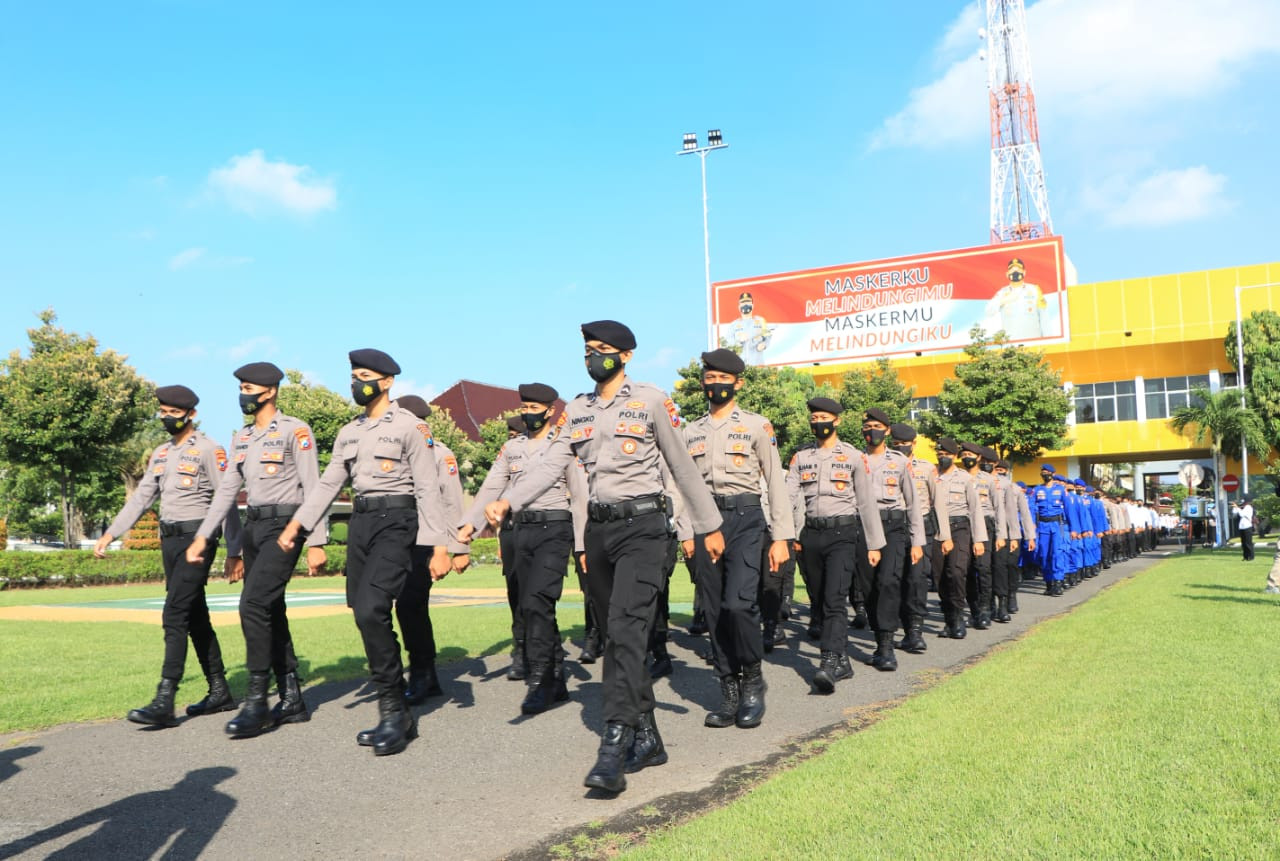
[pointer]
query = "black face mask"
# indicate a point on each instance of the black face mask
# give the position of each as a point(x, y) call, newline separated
point(1046, 478)
point(873, 436)
point(718, 393)
point(603, 366)
point(249, 404)
point(968, 462)
point(533, 422)
point(174, 425)
point(822, 430)
point(987, 466)
point(904, 450)
point(365, 392)
point(1015, 276)
point(944, 462)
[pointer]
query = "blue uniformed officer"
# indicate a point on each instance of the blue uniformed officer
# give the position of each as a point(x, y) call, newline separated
point(1049, 507)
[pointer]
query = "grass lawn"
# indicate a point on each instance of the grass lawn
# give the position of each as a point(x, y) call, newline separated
point(1146, 724)
point(59, 672)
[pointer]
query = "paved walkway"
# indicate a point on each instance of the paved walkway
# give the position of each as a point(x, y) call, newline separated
point(481, 782)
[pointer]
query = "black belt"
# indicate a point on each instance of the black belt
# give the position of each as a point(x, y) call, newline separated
point(602, 512)
point(270, 512)
point(542, 516)
point(175, 528)
point(737, 501)
point(1057, 518)
point(386, 502)
point(958, 521)
point(893, 516)
point(835, 522)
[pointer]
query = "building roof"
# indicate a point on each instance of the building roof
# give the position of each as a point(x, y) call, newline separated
point(471, 404)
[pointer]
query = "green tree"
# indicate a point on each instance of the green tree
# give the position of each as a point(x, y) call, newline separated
point(1261, 341)
point(66, 404)
point(482, 454)
point(1219, 420)
point(876, 385)
point(322, 408)
point(1003, 396)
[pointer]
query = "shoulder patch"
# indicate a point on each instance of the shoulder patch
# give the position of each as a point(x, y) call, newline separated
point(451, 463)
point(794, 458)
point(673, 411)
point(563, 420)
point(426, 435)
point(220, 455)
point(303, 436)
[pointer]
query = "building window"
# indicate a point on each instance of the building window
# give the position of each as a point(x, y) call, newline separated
point(920, 406)
point(1106, 402)
point(1167, 394)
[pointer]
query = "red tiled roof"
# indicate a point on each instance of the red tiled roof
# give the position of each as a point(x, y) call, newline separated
point(472, 404)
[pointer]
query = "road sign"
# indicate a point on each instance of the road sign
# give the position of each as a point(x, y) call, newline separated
point(1230, 483)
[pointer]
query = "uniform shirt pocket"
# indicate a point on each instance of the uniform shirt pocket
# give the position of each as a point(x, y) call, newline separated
point(272, 463)
point(841, 480)
point(386, 455)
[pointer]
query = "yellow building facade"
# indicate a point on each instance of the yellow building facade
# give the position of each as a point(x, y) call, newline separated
point(1137, 347)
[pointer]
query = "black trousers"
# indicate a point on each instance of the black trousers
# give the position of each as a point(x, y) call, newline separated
point(978, 584)
point(729, 588)
point(379, 558)
point(884, 598)
point(542, 553)
point(185, 611)
point(828, 556)
point(413, 610)
point(624, 580)
point(1004, 564)
point(955, 569)
point(263, 615)
point(775, 585)
point(661, 629)
point(863, 573)
point(915, 581)
point(1246, 543)
point(507, 550)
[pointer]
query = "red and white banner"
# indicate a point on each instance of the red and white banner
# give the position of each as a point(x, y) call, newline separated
point(904, 306)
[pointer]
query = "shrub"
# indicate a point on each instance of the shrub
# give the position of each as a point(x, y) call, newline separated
point(145, 534)
point(338, 532)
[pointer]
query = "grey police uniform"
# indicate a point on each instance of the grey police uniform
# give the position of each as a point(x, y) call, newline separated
point(392, 469)
point(184, 477)
point(937, 528)
point(734, 455)
point(979, 586)
point(968, 526)
point(839, 503)
point(894, 490)
point(621, 443)
point(277, 466)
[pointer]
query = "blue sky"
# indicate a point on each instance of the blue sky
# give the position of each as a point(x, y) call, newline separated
point(203, 184)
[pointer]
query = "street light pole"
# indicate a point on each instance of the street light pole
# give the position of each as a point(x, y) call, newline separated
point(714, 142)
point(1244, 446)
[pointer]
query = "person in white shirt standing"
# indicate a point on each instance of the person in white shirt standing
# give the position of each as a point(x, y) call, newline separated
point(1244, 512)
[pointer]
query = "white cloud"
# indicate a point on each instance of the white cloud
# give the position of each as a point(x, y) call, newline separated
point(1165, 197)
point(183, 259)
point(255, 185)
point(1094, 60)
point(406, 386)
point(261, 345)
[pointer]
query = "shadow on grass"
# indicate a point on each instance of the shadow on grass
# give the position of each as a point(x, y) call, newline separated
point(1219, 587)
point(1220, 599)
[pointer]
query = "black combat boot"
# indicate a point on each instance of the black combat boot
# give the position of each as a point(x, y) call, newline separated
point(1002, 609)
point(859, 616)
point(948, 623)
point(607, 773)
point(815, 631)
point(546, 688)
point(396, 725)
point(661, 665)
point(887, 661)
point(647, 749)
point(957, 629)
point(913, 641)
point(255, 715)
point(519, 669)
point(159, 712)
point(1012, 606)
point(751, 701)
point(218, 699)
point(769, 636)
point(590, 647)
point(829, 672)
point(1048, 587)
point(726, 714)
point(423, 684)
point(698, 626)
point(291, 708)
point(982, 620)
point(1055, 588)
point(785, 610)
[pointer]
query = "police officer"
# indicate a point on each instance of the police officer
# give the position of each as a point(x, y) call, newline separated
point(183, 473)
point(737, 454)
point(968, 535)
point(903, 526)
point(777, 587)
point(1004, 564)
point(937, 530)
point(386, 455)
point(274, 459)
point(980, 584)
point(1018, 514)
point(834, 479)
point(546, 533)
point(1050, 509)
point(413, 607)
point(620, 432)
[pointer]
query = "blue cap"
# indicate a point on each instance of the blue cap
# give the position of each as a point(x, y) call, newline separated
point(1022, 484)
point(1044, 467)
point(1079, 482)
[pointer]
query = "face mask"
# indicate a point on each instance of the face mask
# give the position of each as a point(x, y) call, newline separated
point(969, 462)
point(904, 450)
point(944, 462)
point(1046, 478)
point(1015, 276)
point(534, 421)
point(174, 425)
point(718, 393)
point(873, 436)
point(602, 366)
point(822, 430)
point(249, 404)
point(745, 309)
point(987, 467)
point(365, 392)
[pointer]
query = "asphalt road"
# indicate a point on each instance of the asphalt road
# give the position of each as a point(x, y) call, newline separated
point(480, 782)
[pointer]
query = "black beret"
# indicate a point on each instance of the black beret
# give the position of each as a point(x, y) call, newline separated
point(515, 423)
point(177, 396)
point(610, 332)
point(971, 448)
point(415, 405)
point(948, 445)
point(724, 360)
point(989, 453)
point(875, 414)
point(901, 432)
point(539, 393)
point(825, 405)
point(1003, 464)
point(259, 373)
point(374, 360)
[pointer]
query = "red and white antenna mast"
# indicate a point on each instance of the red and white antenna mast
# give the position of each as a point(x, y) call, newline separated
point(1019, 202)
